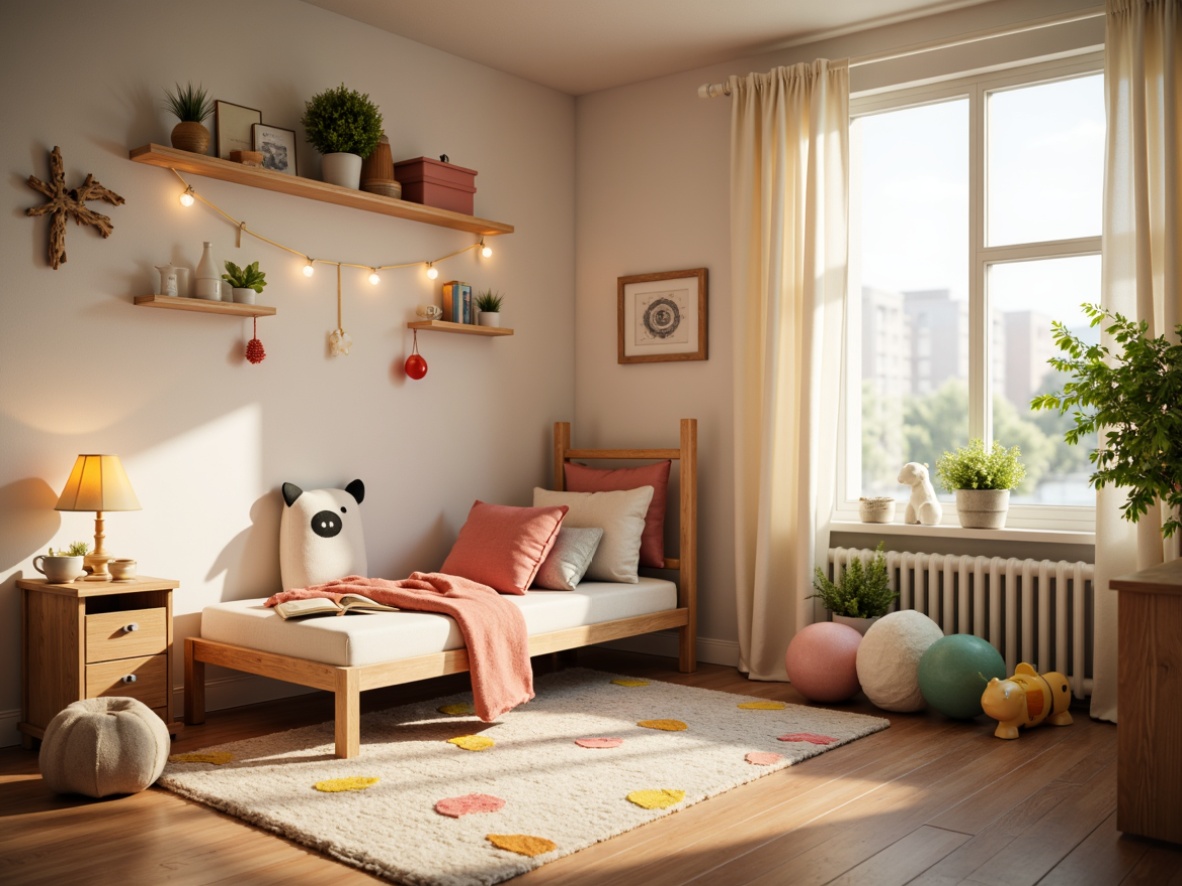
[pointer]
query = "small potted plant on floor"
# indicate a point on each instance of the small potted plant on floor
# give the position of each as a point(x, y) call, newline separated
point(981, 479)
point(861, 594)
point(345, 127)
point(191, 105)
point(246, 281)
point(488, 303)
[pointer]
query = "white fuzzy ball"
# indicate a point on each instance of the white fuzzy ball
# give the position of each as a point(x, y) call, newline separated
point(888, 659)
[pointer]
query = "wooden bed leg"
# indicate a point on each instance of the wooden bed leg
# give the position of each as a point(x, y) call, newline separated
point(194, 685)
point(687, 652)
point(348, 713)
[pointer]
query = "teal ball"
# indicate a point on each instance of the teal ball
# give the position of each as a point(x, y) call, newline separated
point(954, 671)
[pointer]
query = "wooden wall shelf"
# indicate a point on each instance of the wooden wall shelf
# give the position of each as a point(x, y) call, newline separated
point(462, 328)
point(270, 180)
point(204, 306)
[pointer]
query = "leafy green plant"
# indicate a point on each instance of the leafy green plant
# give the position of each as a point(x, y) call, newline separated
point(342, 120)
point(189, 103)
point(249, 277)
point(974, 467)
point(862, 591)
point(76, 549)
point(1132, 398)
point(489, 302)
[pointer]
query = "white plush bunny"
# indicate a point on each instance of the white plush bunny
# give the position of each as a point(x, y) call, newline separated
point(923, 506)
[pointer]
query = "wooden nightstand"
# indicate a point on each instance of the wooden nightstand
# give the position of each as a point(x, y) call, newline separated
point(88, 639)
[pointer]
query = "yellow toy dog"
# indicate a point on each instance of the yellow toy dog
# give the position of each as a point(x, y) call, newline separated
point(1027, 699)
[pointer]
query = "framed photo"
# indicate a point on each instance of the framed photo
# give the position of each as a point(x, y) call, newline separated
point(662, 317)
point(278, 147)
point(233, 127)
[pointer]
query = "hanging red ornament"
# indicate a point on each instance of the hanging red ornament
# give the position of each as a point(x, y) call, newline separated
point(416, 366)
point(254, 347)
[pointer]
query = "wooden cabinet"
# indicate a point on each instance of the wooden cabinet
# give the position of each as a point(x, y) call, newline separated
point(90, 639)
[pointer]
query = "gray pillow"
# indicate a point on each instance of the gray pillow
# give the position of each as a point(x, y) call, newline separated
point(568, 560)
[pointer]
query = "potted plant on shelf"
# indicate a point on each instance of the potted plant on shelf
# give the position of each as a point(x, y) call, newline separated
point(345, 127)
point(861, 595)
point(1133, 397)
point(246, 281)
point(982, 479)
point(191, 105)
point(488, 303)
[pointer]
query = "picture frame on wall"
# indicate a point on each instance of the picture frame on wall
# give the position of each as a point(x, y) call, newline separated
point(277, 145)
point(233, 123)
point(662, 317)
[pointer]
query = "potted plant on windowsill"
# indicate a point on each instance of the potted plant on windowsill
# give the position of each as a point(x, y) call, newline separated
point(981, 479)
point(488, 303)
point(861, 594)
point(191, 105)
point(1132, 397)
point(245, 281)
point(345, 127)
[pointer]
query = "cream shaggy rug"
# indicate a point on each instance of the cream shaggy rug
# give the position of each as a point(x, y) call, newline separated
point(438, 798)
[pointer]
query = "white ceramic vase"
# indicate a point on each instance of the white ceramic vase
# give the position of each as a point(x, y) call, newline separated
point(208, 283)
point(341, 169)
point(490, 318)
point(982, 508)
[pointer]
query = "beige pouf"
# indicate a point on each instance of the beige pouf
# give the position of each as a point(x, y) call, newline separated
point(104, 746)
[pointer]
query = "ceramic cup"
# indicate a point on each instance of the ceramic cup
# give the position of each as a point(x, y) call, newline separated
point(122, 570)
point(59, 570)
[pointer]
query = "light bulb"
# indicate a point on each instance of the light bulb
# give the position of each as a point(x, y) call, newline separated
point(374, 278)
point(485, 250)
point(187, 197)
point(308, 269)
point(432, 271)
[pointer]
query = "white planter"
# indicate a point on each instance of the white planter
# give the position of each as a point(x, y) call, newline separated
point(244, 296)
point(876, 510)
point(341, 169)
point(982, 508)
point(861, 625)
point(490, 318)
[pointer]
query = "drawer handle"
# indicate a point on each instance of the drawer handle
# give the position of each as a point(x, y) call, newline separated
point(127, 629)
point(130, 678)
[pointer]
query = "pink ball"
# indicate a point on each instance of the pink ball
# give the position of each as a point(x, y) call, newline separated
point(822, 662)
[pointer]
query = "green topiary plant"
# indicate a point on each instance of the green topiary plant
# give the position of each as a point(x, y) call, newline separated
point(76, 549)
point(489, 301)
point(249, 277)
point(342, 120)
point(972, 467)
point(863, 591)
point(1133, 396)
point(189, 103)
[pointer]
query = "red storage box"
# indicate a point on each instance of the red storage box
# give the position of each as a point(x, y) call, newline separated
point(435, 183)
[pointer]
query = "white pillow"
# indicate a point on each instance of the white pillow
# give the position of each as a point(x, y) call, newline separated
point(568, 560)
point(620, 514)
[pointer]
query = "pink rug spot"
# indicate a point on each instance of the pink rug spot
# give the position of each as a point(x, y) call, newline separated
point(457, 806)
point(599, 742)
point(808, 736)
point(763, 758)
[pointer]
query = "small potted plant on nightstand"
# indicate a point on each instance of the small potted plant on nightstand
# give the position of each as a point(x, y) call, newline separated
point(489, 305)
point(345, 127)
point(982, 480)
point(245, 281)
point(63, 565)
point(191, 105)
point(861, 594)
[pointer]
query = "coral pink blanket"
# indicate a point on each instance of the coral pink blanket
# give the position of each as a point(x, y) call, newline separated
point(493, 628)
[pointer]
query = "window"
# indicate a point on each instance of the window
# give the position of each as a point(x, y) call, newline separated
point(975, 216)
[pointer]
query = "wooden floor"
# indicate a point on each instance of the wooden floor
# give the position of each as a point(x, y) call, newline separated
point(927, 801)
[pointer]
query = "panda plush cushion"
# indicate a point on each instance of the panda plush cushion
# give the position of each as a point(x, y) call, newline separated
point(320, 535)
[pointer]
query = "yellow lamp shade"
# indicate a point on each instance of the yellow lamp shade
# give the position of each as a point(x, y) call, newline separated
point(98, 483)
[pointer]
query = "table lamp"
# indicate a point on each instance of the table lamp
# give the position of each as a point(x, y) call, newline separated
point(98, 483)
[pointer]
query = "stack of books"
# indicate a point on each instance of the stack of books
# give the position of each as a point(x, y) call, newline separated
point(457, 302)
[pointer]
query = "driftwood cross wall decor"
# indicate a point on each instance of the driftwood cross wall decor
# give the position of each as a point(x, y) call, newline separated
point(69, 202)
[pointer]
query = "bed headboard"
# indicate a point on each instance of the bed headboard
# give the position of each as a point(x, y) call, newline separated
point(686, 456)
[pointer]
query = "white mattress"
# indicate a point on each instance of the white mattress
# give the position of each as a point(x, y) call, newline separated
point(368, 638)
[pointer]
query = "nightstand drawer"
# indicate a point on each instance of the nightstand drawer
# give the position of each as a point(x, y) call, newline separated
point(145, 679)
point(126, 634)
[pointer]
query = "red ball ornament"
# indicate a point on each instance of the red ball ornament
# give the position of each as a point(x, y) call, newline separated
point(254, 347)
point(416, 366)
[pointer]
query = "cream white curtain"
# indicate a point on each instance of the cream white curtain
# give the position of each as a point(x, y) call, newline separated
point(789, 182)
point(1142, 277)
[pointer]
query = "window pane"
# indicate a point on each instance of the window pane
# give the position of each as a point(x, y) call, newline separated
point(1024, 297)
point(1045, 165)
point(911, 223)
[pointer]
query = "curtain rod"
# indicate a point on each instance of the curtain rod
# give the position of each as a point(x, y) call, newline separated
point(714, 90)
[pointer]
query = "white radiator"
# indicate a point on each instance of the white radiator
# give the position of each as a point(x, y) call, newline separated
point(1038, 611)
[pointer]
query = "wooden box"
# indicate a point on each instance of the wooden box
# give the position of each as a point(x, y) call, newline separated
point(436, 183)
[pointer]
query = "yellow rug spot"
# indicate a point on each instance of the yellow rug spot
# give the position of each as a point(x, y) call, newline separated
point(459, 709)
point(763, 706)
point(666, 725)
point(522, 844)
point(660, 798)
point(472, 742)
point(625, 681)
point(218, 758)
point(352, 783)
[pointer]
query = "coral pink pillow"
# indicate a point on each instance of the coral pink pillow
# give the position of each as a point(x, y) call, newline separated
point(580, 478)
point(503, 546)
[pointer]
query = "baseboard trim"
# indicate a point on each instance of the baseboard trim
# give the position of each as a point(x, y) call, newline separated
point(8, 731)
point(721, 652)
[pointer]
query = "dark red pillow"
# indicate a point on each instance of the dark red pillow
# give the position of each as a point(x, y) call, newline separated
point(503, 546)
point(581, 478)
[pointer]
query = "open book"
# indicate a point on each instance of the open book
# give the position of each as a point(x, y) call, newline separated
point(328, 606)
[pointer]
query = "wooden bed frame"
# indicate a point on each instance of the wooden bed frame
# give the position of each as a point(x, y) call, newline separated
point(347, 683)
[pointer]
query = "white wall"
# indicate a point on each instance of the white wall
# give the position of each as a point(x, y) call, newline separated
point(207, 438)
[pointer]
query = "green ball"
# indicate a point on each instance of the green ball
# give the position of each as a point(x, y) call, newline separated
point(954, 671)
